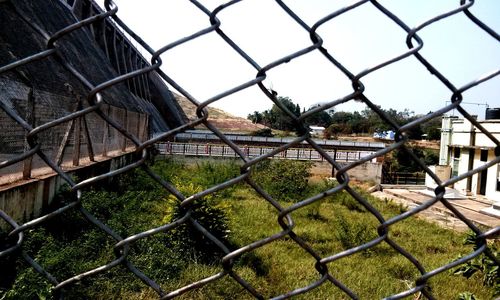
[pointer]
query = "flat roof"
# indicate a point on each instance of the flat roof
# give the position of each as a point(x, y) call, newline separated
point(472, 147)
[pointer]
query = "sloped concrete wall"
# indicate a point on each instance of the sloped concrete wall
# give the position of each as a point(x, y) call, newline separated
point(55, 92)
point(45, 90)
point(366, 172)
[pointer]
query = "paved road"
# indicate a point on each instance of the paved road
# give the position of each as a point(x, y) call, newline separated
point(438, 213)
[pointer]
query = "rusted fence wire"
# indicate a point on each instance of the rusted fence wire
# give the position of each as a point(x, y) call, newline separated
point(133, 75)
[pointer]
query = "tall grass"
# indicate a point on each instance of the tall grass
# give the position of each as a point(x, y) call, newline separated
point(69, 245)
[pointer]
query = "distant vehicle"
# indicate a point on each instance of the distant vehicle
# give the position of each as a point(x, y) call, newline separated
point(317, 131)
point(384, 135)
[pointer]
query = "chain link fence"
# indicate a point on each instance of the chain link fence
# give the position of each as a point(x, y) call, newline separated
point(133, 76)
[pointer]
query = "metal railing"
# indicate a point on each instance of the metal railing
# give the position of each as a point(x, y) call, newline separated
point(415, 178)
point(222, 150)
point(94, 99)
point(193, 136)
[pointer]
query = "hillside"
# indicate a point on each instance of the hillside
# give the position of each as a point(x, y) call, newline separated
point(219, 118)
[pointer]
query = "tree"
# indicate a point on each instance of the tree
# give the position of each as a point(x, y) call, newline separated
point(432, 128)
point(275, 117)
point(334, 130)
point(365, 121)
point(320, 118)
point(256, 117)
point(349, 122)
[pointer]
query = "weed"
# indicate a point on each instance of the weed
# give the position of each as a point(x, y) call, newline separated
point(313, 211)
point(466, 296)
point(352, 234)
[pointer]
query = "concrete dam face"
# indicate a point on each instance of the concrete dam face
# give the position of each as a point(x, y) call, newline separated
point(46, 75)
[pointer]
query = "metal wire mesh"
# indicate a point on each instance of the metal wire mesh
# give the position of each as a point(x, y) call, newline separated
point(136, 71)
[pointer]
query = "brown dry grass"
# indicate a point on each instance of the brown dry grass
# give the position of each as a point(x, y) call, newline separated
point(219, 118)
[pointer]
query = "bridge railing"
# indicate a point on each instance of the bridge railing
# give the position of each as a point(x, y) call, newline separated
point(193, 136)
point(222, 150)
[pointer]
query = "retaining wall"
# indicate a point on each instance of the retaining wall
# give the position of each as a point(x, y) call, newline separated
point(27, 199)
point(366, 172)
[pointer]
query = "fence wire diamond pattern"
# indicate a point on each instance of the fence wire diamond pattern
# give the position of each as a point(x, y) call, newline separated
point(94, 98)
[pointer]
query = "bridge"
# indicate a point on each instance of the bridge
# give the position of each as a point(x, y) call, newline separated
point(197, 136)
point(222, 150)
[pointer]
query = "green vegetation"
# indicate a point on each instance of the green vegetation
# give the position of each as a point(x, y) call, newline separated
point(482, 266)
point(69, 244)
point(398, 160)
point(277, 118)
point(341, 122)
point(285, 180)
point(265, 132)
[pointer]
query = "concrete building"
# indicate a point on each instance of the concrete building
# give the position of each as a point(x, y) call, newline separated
point(464, 148)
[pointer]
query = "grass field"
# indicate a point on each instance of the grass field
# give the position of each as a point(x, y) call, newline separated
point(282, 265)
point(69, 245)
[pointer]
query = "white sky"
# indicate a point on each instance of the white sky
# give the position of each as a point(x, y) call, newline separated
point(359, 39)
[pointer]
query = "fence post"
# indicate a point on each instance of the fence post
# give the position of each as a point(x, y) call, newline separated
point(124, 138)
point(86, 131)
point(77, 143)
point(105, 136)
point(30, 118)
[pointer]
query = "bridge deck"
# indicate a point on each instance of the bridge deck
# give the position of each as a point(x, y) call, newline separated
point(222, 150)
point(274, 141)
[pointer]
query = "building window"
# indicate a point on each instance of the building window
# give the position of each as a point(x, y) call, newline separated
point(454, 168)
point(498, 177)
point(484, 155)
point(456, 161)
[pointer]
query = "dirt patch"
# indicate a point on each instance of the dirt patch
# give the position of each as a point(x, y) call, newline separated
point(219, 118)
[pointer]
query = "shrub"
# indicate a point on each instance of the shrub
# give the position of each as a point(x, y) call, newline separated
point(481, 265)
point(431, 157)
point(266, 132)
point(209, 174)
point(285, 180)
point(210, 213)
point(69, 244)
point(139, 180)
